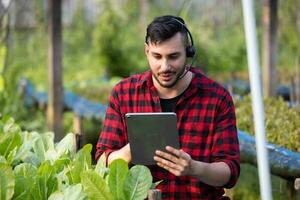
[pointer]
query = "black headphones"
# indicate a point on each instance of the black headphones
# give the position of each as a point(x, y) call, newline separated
point(190, 50)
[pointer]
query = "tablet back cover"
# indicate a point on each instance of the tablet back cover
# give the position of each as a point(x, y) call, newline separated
point(148, 132)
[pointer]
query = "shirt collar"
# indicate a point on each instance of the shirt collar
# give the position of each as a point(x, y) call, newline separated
point(200, 81)
point(146, 77)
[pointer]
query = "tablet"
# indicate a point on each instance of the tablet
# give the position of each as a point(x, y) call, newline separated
point(148, 132)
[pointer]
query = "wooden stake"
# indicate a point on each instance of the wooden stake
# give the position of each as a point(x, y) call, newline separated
point(269, 49)
point(297, 82)
point(78, 130)
point(154, 194)
point(55, 83)
point(291, 190)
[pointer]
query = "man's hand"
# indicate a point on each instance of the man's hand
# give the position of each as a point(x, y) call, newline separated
point(175, 161)
point(126, 153)
point(123, 153)
point(180, 163)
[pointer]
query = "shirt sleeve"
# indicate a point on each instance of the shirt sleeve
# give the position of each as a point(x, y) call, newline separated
point(225, 145)
point(112, 136)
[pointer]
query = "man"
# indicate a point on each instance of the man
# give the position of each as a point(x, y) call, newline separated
point(208, 160)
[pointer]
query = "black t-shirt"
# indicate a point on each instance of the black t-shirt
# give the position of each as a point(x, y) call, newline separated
point(168, 105)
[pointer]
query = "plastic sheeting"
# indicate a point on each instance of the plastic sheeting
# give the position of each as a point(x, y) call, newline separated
point(81, 106)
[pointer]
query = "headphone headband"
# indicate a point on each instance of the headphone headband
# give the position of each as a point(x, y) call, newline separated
point(186, 29)
point(190, 50)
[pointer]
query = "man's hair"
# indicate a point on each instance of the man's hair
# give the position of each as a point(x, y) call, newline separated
point(164, 27)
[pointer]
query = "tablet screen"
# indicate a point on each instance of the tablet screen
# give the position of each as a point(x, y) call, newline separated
point(148, 132)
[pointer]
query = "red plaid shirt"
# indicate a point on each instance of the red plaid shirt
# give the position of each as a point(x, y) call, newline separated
point(206, 126)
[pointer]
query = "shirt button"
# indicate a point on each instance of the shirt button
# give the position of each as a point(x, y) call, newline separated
point(164, 195)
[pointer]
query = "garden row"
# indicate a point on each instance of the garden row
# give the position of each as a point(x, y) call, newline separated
point(32, 166)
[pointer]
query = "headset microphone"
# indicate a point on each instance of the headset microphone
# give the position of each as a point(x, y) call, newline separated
point(186, 70)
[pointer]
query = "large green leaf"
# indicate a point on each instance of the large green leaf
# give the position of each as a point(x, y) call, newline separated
point(44, 147)
point(101, 168)
point(2, 82)
point(61, 167)
point(82, 162)
point(46, 182)
point(8, 126)
point(57, 196)
point(73, 192)
point(48, 173)
point(9, 141)
point(94, 186)
point(48, 140)
point(25, 176)
point(3, 160)
point(137, 183)
point(32, 158)
point(11, 155)
point(66, 144)
point(25, 153)
point(43, 144)
point(39, 149)
point(7, 182)
point(61, 163)
point(118, 170)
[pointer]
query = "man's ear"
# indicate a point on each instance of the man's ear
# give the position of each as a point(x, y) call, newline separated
point(146, 48)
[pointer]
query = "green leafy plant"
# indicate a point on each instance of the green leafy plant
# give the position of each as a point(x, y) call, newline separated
point(7, 181)
point(32, 166)
point(282, 122)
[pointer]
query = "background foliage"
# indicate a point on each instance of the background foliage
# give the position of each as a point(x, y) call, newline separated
point(282, 122)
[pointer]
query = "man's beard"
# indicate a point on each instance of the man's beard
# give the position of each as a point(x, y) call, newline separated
point(172, 84)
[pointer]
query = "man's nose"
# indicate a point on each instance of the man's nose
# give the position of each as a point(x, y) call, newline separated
point(165, 64)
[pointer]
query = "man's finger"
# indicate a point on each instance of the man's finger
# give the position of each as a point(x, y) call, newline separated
point(173, 171)
point(167, 156)
point(165, 163)
point(174, 151)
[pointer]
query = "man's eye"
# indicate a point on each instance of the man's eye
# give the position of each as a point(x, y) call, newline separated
point(174, 57)
point(157, 56)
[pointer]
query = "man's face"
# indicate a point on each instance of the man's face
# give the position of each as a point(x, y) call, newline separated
point(167, 60)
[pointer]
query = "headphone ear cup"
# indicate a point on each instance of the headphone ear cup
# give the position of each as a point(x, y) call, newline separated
point(190, 51)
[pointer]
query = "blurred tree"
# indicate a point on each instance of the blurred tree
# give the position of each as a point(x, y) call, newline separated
point(118, 43)
point(55, 82)
point(288, 36)
point(2, 9)
point(23, 14)
point(298, 18)
point(217, 27)
point(143, 8)
point(5, 40)
point(269, 48)
point(298, 58)
point(2, 46)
